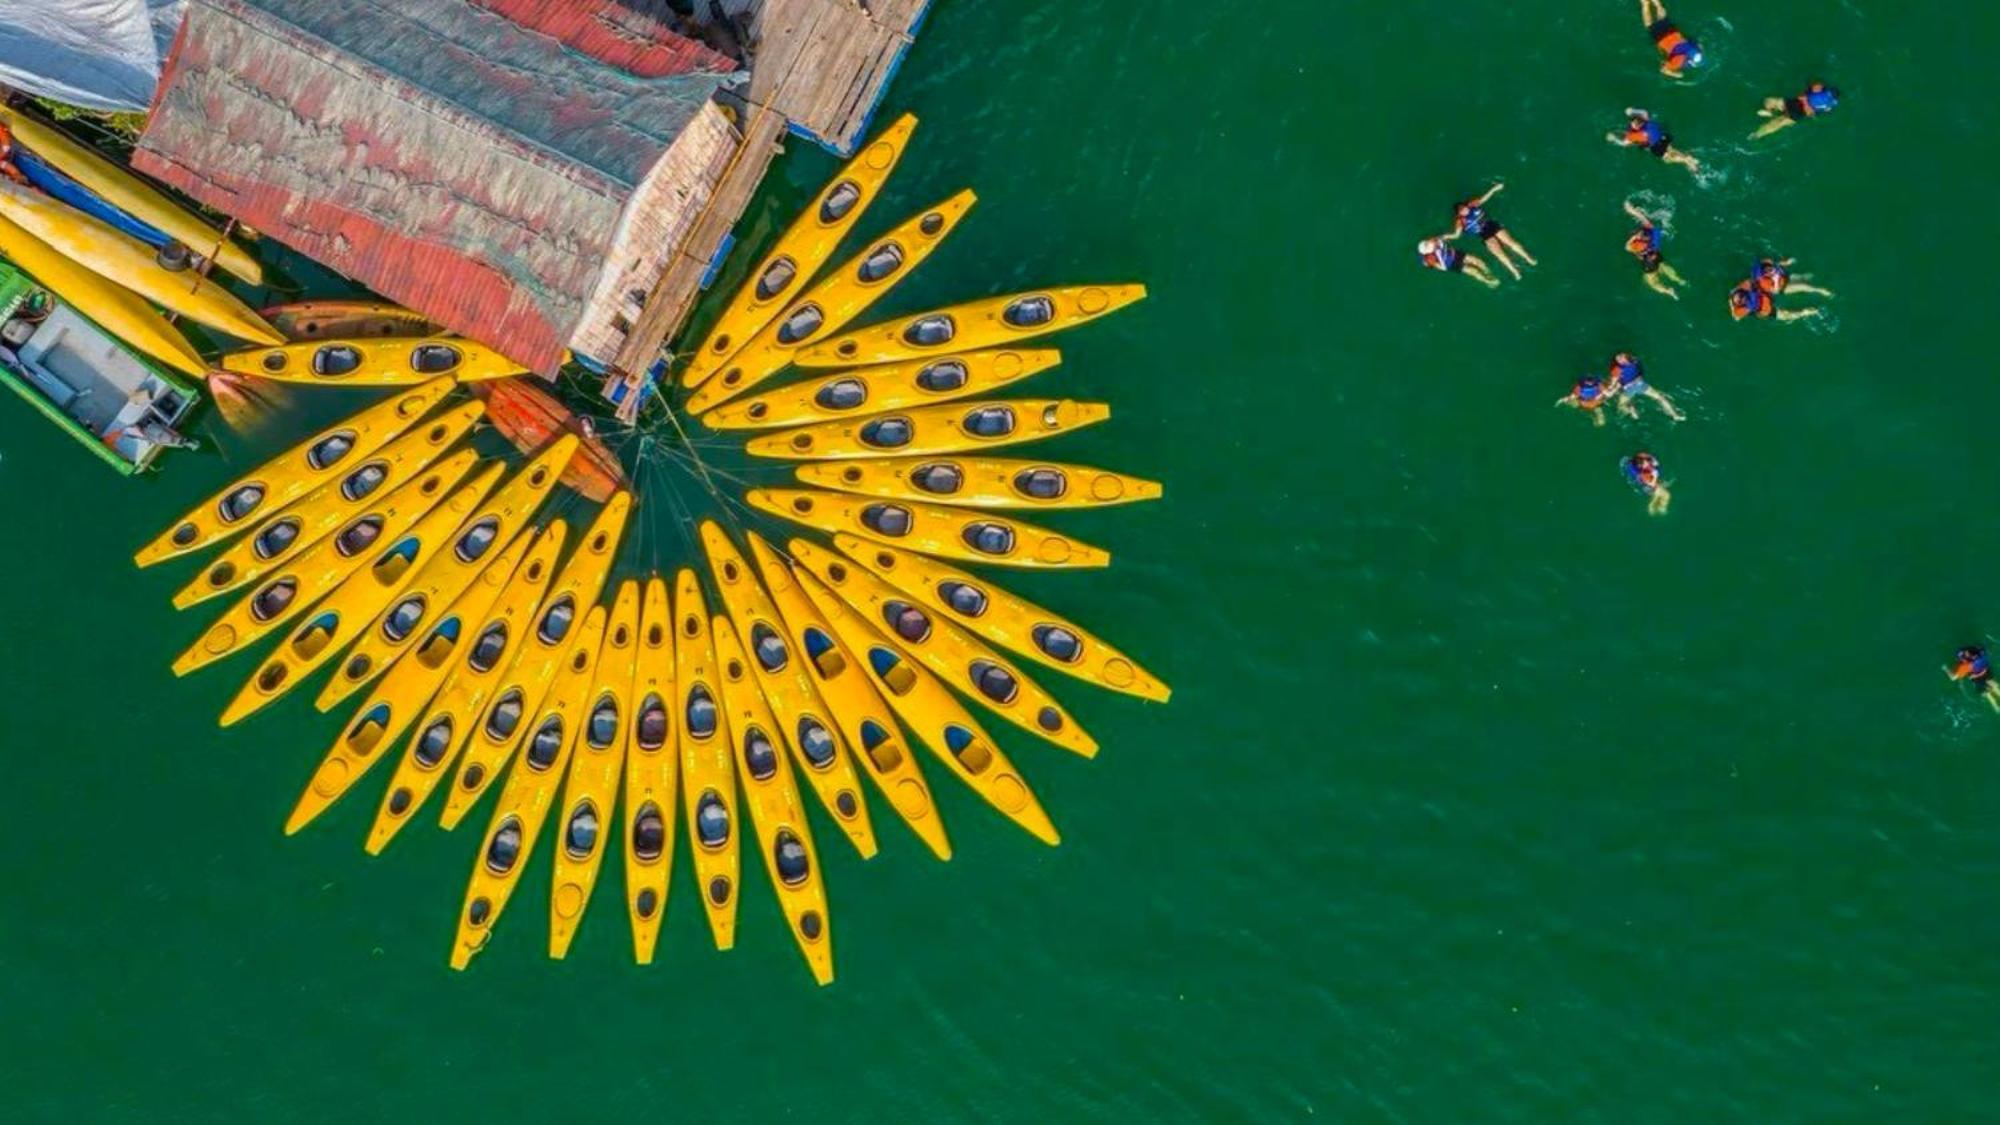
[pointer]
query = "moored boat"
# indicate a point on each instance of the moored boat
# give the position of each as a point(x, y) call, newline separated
point(929, 709)
point(981, 482)
point(530, 791)
point(708, 771)
point(953, 655)
point(862, 717)
point(772, 798)
point(121, 405)
point(493, 640)
point(948, 428)
point(803, 724)
point(800, 251)
point(652, 769)
point(846, 293)
point(1006, 619)
point(888, 386)
point(932, 529)
point(391, 361)
point(590, 792)
point(273, 485)
point(976, 324)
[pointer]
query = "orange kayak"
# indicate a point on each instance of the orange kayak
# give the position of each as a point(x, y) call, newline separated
point(530, 417)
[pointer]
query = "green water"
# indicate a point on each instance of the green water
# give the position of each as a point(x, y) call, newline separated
point(1482, 795)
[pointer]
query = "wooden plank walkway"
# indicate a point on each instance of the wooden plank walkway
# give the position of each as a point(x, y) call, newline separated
point(817, 67)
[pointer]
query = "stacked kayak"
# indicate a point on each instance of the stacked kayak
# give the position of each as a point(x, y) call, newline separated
point(528, 679)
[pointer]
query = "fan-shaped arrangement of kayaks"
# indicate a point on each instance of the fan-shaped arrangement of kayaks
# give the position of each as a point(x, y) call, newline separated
point(515, 671)
point(391, 361)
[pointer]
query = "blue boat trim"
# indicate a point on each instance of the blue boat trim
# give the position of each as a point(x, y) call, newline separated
point(56, 185)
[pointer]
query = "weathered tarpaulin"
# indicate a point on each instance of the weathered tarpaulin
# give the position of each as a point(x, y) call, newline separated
point(101, 54)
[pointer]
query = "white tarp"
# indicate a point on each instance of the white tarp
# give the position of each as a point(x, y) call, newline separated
point(102, 54)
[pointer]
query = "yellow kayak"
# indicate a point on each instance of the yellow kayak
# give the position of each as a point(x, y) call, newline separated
point(858, 712)
point(337, 620)
point(130, 194)
point(282, 536)
point(448, 573)
point(927, 707)
point(889, 386)
point(111, 306)
point(652, 767)
point(826, 308)
point(803, 724)
point(981, 482)
point(976, 671)
point(708, 775)
point(801, 251)
point(975, 324)
point(304, 580)
point(773, 800)
point(930, 529)
point(495, 637)
point(99, 247)
point(521, 690)
point(276, 483)
point(393, 705)
point(530, 791)
point(590, 793)
point(1007, 620)
point(395, 361)
point(946, 428)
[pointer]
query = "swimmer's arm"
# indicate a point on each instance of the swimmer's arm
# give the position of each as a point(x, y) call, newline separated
point(1616, 138)
point(1632, 209)
point(1635, 111)
point(1670, 72)
point(1490, 193)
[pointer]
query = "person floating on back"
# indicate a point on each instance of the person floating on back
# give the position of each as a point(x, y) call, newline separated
point(1644, 244)
point(1641, 131)
point(1818, 100)
point(1642, 472)
point(1472, 218)
point(1972, 667)
point(1775, 276)
point(1439, 254)
point(1628, 383)
point(1678, 53)
point(1589, 396)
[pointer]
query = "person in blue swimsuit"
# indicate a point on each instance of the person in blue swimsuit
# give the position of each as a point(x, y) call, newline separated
point(1818, 100)
point(1678, 53)
point(1471, 217)
point(1973, 668)
point(1644, 244)
point(1641, 131)
point(1439, 254)
point(1589, 396)
point(1642, 472)
point(1628, 383)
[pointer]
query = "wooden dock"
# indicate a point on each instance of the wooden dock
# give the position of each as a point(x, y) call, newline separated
point(817, 68)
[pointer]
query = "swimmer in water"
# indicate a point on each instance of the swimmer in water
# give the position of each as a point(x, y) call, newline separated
point(1628, 384)
point(1818, 100)
point(1440, 254)
point(1644, 244)
point(1973, 668)
point(1775, 276)
point(1641, 131)
point(1471, 217)
point(1642, 472)
point(1589, 396)
point(1751, 300)
point(1678, 53)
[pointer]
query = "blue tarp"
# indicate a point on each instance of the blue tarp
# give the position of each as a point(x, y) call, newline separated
point(59, 186)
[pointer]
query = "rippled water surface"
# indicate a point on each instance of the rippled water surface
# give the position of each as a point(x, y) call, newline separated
point(1482, 795)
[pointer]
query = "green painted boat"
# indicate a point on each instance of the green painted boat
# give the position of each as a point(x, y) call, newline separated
point(116, 402)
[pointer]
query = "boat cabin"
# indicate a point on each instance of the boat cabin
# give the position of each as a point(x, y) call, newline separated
point(122, 407)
